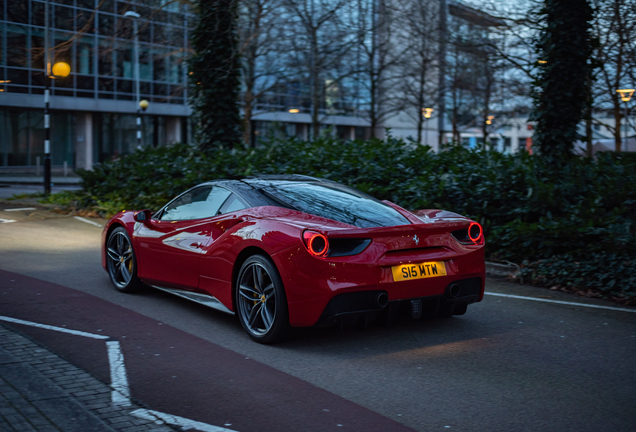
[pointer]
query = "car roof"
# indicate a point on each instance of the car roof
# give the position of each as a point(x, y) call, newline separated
point(281, 178)
point(258, 181)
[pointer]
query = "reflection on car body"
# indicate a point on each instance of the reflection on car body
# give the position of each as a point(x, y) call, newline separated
point(295, 251)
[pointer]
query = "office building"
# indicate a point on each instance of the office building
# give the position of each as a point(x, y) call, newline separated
point(93, 110)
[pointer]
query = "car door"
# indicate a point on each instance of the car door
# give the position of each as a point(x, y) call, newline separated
point(169, 246)
point(216, 266)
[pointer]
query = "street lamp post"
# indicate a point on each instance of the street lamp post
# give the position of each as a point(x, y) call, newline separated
point(59, 70)
point(135, 16)
point(47, 123)
point(426, 112)
point(626, 95)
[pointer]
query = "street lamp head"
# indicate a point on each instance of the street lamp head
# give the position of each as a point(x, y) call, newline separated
point(426, 112)
point(131, 14)
point(625, 94)
point(61, 70)
point(294, 111)
point(489, 120)
point(143, 104)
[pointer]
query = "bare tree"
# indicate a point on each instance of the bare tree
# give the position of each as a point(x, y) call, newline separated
point(498, 77)
point(486, 92)
point(263, 56)
point(418, 66)
point(499, 91)
point(321, 40)
point(461, 82)
point(381, 49)
point(615, 31)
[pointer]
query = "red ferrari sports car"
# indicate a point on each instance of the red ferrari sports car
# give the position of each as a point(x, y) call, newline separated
point(297, 251)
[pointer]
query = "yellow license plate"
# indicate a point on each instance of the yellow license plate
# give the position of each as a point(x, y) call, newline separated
point(418, 271)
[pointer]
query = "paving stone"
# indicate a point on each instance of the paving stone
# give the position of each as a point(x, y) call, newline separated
point(86, 398)
point(31, 384)
point(81, 393)
point(70, 416)
point(48, 428)
point(41, 392)
point(39, 420)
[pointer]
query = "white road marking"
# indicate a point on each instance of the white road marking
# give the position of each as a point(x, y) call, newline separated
point(561, 302)
point(48, 327)
point(177, 421)
point(118, 378)
point(6, 220)
point(21, 209)
point(88, 221)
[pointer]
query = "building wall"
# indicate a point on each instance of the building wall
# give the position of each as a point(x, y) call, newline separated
point(95, 39)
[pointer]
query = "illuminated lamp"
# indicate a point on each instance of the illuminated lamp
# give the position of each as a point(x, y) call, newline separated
point(61, 70)
point(475, 232)
point(316, 243)
point(625, 94)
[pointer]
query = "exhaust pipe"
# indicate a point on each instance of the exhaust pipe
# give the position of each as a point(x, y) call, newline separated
point(382, 299)
point(452, 291)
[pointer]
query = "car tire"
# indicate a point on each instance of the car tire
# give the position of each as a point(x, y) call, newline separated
point(121, 261)
point(261, 300)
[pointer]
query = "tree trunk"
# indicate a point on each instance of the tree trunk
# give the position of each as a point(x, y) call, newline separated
point(214, 75)
point(588, 130)
point(617, 130)
point(456, 137)
point(315, 86)
point(419, 129)
point(421, 121)
point(247, 117)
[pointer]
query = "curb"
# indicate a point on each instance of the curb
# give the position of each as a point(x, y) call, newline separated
point(508, 270)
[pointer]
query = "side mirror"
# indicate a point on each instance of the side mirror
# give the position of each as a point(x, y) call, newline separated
point(143, 216)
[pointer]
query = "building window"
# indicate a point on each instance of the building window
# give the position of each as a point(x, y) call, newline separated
point(507, 147)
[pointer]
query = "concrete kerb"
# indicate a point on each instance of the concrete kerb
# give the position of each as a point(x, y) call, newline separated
point(508, 270)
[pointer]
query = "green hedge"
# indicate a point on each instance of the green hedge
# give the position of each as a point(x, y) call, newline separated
point(528, 211)
point(604, 275)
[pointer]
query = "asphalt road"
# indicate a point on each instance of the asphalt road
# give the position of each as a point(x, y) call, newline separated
point(509, 364)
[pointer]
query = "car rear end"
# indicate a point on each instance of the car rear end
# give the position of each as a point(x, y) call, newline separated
point(363, 258)
point(417, 270)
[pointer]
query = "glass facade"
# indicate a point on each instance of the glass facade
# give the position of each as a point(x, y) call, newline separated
point(97, 41)
point(22, 137)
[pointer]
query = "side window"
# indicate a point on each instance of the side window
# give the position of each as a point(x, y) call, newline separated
point(197, 204)
point(233, 203)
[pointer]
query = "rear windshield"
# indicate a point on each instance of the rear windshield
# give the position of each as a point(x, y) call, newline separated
point(336, 202)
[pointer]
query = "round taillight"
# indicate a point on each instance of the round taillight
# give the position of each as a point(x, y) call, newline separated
point(474, 232)
point(316, 243)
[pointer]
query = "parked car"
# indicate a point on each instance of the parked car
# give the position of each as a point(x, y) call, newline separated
point(297, 251)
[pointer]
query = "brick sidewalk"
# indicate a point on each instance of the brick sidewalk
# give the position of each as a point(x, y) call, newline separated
point(41, 392)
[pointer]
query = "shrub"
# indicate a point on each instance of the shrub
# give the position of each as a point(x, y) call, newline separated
point(604, 275)
point(528, 211)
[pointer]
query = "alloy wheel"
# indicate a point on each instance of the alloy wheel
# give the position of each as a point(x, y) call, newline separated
point(257, 299)
point(120, 259)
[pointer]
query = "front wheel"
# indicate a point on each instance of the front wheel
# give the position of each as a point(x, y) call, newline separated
point(262, 304)
point(121, 262)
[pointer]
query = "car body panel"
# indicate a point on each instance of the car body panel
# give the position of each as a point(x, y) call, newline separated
point(169, 252)
point(203, 256)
